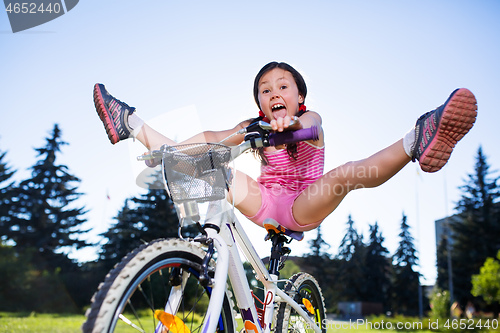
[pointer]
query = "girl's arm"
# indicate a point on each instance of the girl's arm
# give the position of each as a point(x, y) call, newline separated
point(217, 136)
point(153, 140)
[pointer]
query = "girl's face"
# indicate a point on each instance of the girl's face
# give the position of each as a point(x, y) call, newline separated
point(278, 94)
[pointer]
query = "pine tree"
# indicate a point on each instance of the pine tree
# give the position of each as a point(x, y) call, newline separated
point(351, 260)
point(349, 241)
point(317, 245)
point(155, 213)
point(377, 268)
point(5, 196)
point(45, 217)
point(141, 219)
point(121, 238)
point(405, 286)
point(476, 236)
point(319, 264)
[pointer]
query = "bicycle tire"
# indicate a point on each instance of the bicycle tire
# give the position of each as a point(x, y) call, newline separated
point(140, 275)
point(303, 288)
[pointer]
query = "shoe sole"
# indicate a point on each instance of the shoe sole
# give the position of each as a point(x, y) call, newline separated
point(105, 116)
point(458, 117)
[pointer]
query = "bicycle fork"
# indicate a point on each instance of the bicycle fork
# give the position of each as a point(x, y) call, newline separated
point(219, 282)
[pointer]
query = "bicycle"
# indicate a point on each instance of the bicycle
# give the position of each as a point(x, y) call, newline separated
point(180, 285)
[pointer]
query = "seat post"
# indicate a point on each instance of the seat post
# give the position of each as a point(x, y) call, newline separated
point(276, 251)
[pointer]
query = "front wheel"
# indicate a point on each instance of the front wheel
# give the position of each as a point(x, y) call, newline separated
point(304, 289)
point(157, 285)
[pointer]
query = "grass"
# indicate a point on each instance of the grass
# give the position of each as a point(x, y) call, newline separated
point(43, 323)
point(59, 323)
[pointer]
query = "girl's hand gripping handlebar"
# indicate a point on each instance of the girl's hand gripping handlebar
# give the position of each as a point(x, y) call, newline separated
point(280, 138)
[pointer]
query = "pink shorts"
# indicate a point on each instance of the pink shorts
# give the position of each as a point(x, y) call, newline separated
point(277, 203)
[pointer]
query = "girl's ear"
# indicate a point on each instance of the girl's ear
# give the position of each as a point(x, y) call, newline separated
point(301, 99)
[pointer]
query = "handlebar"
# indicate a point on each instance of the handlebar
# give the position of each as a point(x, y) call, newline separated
point(280, 138)
point(257, 135)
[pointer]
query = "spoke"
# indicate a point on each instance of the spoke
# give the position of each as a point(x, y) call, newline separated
point(145, 297)
point(152, 307)
point(163, 283)
point(131, 324)
point(136, 316)
point(191, 312)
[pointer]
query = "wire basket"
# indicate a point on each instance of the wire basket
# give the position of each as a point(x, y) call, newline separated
point(197, 172)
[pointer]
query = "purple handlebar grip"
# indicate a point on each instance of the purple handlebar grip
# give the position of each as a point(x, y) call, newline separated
point(311, 133)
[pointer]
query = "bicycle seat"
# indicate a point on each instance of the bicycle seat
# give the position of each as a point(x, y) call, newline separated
point(271, 224)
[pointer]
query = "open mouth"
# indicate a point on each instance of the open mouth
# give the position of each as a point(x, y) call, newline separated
point(279, 111)
point(277, 107)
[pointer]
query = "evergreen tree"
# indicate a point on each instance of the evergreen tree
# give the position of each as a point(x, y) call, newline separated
point(155, 213)
point(319, 265)
point(349, 242)
point(476, 236)
point(141, 219)
point(351, 261)
point(44, 222)
point(377, 268)
point(317, 246)
point(121, 238)
point(45, 216)
point(405, 286)
point(5, 196)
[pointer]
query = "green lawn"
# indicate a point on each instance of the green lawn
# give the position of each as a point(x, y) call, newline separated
point(43, 323)
point(56, 323)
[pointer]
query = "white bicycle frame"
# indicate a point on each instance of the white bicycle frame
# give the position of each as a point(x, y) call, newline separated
point(228, 236)
point(227, 242)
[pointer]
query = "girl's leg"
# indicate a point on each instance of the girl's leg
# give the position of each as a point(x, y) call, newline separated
point(322, 197)
point(121, 122)
point(152, 139)
point(431, 143)
point(247, 197)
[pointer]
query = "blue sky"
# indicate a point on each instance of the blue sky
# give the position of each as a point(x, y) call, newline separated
point(372, 67)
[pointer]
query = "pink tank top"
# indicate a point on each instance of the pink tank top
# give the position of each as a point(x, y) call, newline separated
point(293, 174)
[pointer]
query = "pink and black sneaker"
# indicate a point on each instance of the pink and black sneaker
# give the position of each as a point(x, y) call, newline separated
point(438, 131)
point(113, 113)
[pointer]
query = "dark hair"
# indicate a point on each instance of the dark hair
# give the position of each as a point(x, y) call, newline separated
point(301, 85)
point(299, 80)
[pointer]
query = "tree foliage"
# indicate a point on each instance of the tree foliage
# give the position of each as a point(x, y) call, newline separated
point(377, 268)
point(486, 284)
point(405, 285)
point(41, 222)
point(317, 245)
point(350, 242)
point(318, 263)
point(44, 215)
point(5, 196)
point(351, 256)
point(142, 219)
point(476, 235)
point(440, 304)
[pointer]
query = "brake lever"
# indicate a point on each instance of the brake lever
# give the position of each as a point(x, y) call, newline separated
point(150, 159)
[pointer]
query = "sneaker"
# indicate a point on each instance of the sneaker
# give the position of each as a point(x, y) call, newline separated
point(113, 113)
point(438, 131)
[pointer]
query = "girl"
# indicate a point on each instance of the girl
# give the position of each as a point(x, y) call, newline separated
point(292, 188)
